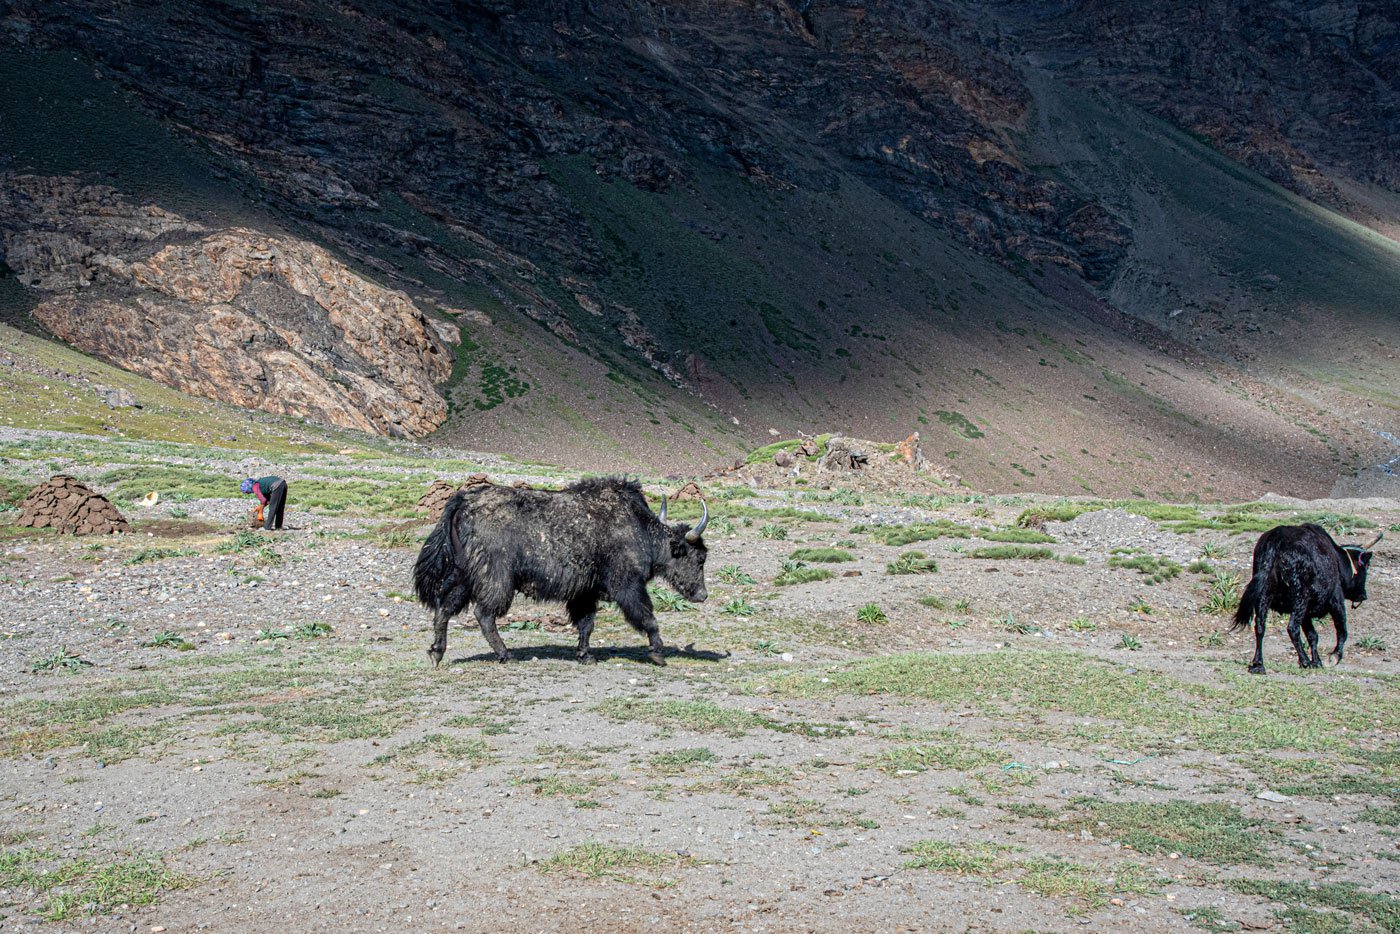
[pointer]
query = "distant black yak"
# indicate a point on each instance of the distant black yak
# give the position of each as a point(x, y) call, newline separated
point(596, 540)
point(1301, 571)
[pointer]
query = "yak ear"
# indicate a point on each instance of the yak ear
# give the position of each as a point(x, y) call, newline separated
point(1364, 558)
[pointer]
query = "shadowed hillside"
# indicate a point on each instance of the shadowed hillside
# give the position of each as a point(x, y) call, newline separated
point(659, 236)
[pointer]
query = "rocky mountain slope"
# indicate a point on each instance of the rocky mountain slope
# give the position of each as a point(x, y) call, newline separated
point(663, 231)
point(236, 315)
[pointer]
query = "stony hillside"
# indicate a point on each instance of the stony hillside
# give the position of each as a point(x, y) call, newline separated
point(662, 233)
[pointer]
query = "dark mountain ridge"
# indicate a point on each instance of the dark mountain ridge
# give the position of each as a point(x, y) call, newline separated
point(662, 231)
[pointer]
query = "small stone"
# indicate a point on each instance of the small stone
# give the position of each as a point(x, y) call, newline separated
point(1270, 795)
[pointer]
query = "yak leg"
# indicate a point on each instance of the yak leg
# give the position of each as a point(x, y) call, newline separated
point(582, 613)
point(1310, 633)
point(1261, 620)
point(1339, 620)
point(439, 646)
point(486, 619)
point(636, 609)
point(450, 605)
point(1295, 633)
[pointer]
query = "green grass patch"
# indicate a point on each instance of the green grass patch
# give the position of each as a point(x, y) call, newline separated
point(1091, 886)
point(72, 886)
point(1379, 908)
point(699, 716)
point(945, 750)
point(62, 660)
point(1222, 594)
point(169, 640)
point(1209, 831)
point(822, 555)
point(912, 562)
point(681, 760)
point(151, 554)
point(795, 572)
point(1239, 713)
point(702, 716)
point(733, 574)
point(870, 614)
point(632, 864)
point(898, 535)
point(1011, 552)
point(1156, 570)
point(963, 858)
point(558, 786)
point(959, 424)
point(1388, 816)
point(1018, 536)
point(667, 600)
point(1035, 517)
point(172, 482)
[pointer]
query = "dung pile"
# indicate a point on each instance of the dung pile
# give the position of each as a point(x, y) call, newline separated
point(433, 501)
point(67, 505)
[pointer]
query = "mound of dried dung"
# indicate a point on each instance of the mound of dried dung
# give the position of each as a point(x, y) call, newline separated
point(687, 493)
point(441, 491)
point(68, 505)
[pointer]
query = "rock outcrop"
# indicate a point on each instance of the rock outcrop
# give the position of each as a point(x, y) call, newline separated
point(260, 321)
point(70, 507)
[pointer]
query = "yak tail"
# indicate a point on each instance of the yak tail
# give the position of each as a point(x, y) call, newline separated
point(438, 558)
point(1252, 597)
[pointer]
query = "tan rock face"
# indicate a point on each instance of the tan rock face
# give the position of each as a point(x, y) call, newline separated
point(237, 315)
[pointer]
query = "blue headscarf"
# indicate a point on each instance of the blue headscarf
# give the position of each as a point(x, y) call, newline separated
point(247, 485)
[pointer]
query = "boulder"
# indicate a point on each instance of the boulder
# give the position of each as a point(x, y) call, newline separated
point(257, 320)
point(843, 454)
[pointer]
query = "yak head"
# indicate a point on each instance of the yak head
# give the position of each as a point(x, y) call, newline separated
point(1359, 557)
point(684, 567)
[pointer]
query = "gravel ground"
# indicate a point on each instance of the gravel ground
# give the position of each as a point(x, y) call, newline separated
point(326, 774)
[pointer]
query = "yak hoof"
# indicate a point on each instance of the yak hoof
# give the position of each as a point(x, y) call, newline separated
point(506, 657)
point(587, 659)
point(1256, 669)
point(1332, 660)
point(435, 656)
point(657, 658)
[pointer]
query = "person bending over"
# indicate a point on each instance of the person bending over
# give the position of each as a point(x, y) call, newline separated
point(271, 492)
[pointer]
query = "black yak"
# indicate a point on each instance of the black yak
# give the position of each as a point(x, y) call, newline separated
point(595, 540)
point(1301, 571)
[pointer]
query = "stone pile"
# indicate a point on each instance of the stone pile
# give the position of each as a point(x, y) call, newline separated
point(67, 505)
point(688, 493)
point(851, 463)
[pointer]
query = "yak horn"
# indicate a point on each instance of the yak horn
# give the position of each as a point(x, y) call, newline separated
point(1372, 542)
point(693, 535)
point(662, 515)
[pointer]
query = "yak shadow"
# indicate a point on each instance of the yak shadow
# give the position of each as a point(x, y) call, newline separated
point(567, 653)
